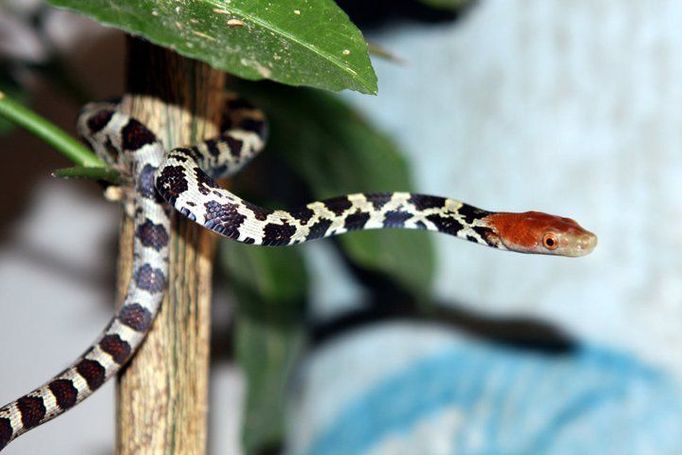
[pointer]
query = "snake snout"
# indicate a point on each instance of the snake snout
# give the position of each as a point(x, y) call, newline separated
point(582, 245)
point(587, 243)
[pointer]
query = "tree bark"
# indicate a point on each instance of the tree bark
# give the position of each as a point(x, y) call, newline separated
point(162, 394)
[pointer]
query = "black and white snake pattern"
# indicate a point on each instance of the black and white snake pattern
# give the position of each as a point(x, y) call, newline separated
point(155, 182)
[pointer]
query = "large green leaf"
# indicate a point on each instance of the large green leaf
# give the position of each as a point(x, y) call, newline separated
point(271, 289)
point(291, 41)
point(336, 151)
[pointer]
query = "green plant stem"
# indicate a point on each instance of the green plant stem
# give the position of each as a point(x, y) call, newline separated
point(48, 132)
point(91, 173)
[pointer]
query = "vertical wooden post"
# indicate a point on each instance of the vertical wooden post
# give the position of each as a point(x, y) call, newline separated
point(162, 394)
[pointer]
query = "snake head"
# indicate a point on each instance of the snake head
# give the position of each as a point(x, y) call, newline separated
point(541, 233)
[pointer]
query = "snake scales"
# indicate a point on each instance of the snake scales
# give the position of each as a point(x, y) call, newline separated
point(183, 179)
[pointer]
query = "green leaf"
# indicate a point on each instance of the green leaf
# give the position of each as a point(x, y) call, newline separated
point(291, 41)
point(335, 151)
point(91, 173)
point(271, 290)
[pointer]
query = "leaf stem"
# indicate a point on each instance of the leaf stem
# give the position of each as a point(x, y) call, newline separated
point(48, 132)
point(91, 173)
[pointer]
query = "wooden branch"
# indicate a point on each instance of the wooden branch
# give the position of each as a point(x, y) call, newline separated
point(162, 394)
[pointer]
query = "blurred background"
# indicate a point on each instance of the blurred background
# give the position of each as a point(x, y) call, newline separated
point(573, 108)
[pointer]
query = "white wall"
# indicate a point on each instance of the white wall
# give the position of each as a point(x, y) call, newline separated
point(569, 107)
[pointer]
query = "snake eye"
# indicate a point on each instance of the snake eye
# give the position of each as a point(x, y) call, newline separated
point(550, 241)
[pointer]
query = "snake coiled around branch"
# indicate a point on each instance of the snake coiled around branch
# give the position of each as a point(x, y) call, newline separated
point(157, 182)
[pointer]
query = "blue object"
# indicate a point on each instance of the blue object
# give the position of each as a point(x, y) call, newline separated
point(477, 398)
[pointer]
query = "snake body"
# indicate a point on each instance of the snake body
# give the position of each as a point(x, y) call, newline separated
point(133, 150)
point(183, 179)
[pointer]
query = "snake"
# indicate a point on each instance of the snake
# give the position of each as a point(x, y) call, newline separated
point(157, 183)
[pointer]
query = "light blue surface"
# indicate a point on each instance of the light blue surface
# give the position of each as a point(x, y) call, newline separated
point(515, 402)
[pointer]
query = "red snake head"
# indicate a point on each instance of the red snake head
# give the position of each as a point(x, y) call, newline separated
point(541, 233)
